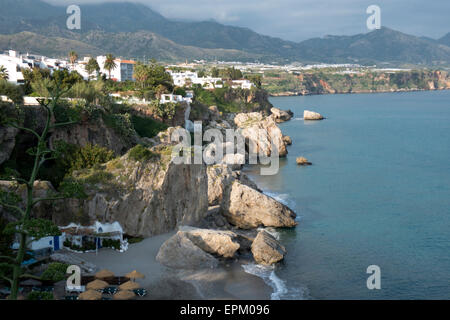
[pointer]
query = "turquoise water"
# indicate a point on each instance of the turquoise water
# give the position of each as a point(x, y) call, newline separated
point(378, 193)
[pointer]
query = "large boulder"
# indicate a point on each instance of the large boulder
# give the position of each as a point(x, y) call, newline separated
point(248, 208)
point(216, 242)
point(310, 115)
point(287, 140)
point(220, 179)
point(261, 131)
point(266, 249)
point(180, 252)
point(281, 115)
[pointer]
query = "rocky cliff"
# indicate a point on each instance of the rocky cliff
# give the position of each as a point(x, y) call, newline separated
point(147, 196)
point(359, 82)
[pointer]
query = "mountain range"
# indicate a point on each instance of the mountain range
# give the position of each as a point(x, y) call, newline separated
point(135, 31)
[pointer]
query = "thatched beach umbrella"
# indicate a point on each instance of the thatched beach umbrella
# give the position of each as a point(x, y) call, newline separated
point(90, 295)
point(97, 285)
point(129, 286)
point(134, 275)
point(124, 295)
point(103, 274)
point(31, 282)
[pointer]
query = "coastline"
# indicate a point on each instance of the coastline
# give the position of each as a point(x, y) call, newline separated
point(299, 94)
point(227, 282)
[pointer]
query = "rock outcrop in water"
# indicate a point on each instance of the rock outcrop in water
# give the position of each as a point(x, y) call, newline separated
point(287, 140)
point(310, 115)
point(266, 249)
point(302, 161)
point(242, 203)
point(281, 115)
point(259, 129)
point(248, 208)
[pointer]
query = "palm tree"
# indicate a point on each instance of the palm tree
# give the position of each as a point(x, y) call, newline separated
point(110, 63)
point(91, 67)
point(4, 73)
point(73, 56)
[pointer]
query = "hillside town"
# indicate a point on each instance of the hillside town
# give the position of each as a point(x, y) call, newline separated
point(14, 61)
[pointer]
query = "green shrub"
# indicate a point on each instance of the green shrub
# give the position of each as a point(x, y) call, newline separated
point(147, 127)
point(141, 153)
point(110, 243)
point(76, 158)
point(120, 123)
point(55, 272)
point(132, 240)
point(13, 92)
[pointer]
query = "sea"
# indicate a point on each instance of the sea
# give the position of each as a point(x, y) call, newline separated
point(377, 194)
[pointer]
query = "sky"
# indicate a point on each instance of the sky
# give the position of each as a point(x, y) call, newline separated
point(299, 20)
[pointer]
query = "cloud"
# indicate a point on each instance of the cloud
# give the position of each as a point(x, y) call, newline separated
point(301, 19)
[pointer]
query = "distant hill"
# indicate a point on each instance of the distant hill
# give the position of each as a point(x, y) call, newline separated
point(134, 30)
point(445, 40)
point(383, 45)
point(138, 44)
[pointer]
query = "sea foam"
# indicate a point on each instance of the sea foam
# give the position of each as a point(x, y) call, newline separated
point(280, 289)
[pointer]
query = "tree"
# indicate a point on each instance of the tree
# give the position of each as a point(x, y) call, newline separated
point(201, 74)
point(3, 73)
point(152, 75)
point(73, 56)
point(141, 74)
point(231, 73)
point(92, 66)
point(215, 72)
point(255, 79)
point(12, 91)
point(110, 64)
point(26, 226)
point(164, 110)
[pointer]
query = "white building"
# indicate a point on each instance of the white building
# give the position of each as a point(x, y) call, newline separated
point(96, 234)
point(124, 69)
point(13, 64)
point(189, 78)
point(180, 78)
point(243, 84)
point(176, 98)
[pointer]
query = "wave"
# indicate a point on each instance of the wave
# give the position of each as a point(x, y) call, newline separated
point(272, 231)
point(284, 198)
point(297, 119)
point(280, 289)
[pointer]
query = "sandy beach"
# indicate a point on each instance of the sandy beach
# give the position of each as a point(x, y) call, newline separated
point(226, 282)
